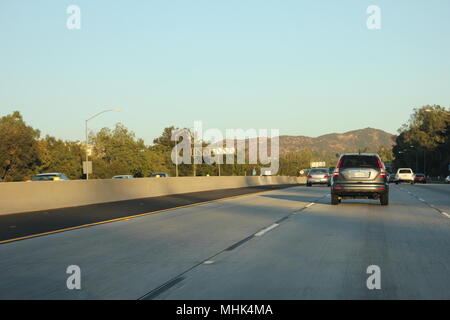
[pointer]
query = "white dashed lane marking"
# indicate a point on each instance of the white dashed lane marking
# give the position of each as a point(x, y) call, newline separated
point(429, 204)
point(263, 231)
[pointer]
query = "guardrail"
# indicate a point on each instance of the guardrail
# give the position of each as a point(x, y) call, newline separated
point(44, 195)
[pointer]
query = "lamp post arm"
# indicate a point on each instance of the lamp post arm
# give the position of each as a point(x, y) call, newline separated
point(99, 113)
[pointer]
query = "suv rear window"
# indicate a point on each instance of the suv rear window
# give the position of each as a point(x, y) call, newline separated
point(405, 171)
point(357, 161)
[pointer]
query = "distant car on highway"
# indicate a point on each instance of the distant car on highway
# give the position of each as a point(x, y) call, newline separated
point(318, 176)
point(159, 175)
point(55, 176)
point(391, 178)
point(404, 175)
point(123, 176)
point(360, 175)
point(420, 178)
point(447, 179)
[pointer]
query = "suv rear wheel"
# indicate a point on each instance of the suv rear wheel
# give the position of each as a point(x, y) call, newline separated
point(384, 199)
point(334, 199)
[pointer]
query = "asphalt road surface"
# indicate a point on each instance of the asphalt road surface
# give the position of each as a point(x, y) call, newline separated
point(280, 244)
point(20, 225)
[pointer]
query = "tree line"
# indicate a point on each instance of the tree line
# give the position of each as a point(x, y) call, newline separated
point(423, 142)
point(24, 153)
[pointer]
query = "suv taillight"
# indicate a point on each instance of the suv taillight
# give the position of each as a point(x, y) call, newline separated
point(382, 171)
point(309, 176)
point(336, 170)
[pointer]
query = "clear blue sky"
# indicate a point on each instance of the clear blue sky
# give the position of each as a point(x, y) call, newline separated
point(304, 67)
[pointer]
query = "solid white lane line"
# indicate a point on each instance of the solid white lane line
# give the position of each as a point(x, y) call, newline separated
point(421, 200)
point(263, 231)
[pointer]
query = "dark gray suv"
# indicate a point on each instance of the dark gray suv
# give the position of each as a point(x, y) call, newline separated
point(360, 175)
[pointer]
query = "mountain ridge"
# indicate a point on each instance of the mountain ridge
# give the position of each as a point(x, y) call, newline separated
point(327, 146)
point(366, 139)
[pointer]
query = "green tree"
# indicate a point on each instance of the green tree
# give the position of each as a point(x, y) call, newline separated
point(423, 142)
point(385, 154)
point(19, 152)
point(292, 162)
point(117, 151)
point(163, 146)
point(164, 142)
point(61, 156)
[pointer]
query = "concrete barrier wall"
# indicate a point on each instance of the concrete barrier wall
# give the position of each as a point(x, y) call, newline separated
point(43, 195)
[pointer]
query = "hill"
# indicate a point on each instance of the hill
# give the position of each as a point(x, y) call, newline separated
point(326, 147)
point(364, 140)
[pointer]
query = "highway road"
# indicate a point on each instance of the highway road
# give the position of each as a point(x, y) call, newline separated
point(279, 244)
point(29, 224)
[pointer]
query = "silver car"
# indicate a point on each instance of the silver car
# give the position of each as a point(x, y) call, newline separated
point(123, 176)
point(360, 175)
point(318, 176)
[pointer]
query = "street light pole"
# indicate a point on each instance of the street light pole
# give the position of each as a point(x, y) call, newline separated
point(176, 158)
point(424, 162)
point(417, 160)
point(86, 129)
point(86, 132)
point(417, 157)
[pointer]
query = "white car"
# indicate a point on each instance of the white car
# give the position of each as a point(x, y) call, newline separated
point(404, 175)
point(447, 180)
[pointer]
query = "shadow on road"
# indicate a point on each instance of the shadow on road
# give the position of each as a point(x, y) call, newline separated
point(298, 198)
